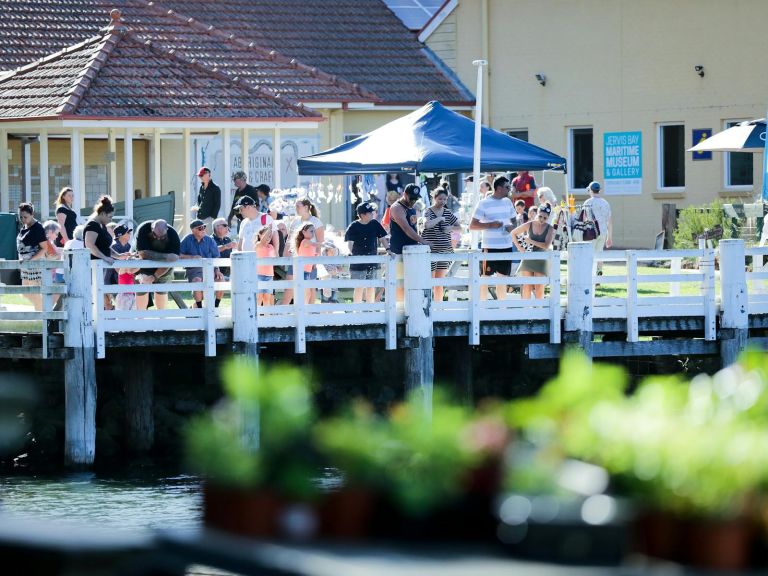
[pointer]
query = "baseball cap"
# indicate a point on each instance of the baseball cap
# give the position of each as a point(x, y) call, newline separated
point(203, 170)
point(413, 191)
point(545, 208)
point(245, 201)
point(366, 207)
point(594, 186)
point(122, 229)
point(196, 223)
point(239, 175)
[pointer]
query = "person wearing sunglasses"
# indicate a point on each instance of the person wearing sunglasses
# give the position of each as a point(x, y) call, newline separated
point(540, 235)
point(225, 244)
point(197, 244)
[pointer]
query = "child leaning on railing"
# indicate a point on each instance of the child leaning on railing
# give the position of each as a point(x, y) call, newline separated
point(332, 271)
point(265, 272)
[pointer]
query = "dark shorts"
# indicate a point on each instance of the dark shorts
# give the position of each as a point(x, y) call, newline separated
point(491, 267)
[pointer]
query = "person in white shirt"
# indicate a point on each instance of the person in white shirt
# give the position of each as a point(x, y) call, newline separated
point(602, 213)
point(494, 217)
point(252, 222)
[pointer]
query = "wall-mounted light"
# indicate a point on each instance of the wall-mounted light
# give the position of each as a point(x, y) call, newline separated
point(699, 70)
point(542, 79)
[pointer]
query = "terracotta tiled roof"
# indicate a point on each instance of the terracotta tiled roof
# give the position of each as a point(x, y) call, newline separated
point(117, 74)
point(361, 41)
point(46, 23)
point(350, 42)
point(225, 52)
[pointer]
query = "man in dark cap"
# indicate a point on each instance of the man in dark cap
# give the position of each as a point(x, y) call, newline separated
point(198, 244)
point(208, 197)
point(242, 188)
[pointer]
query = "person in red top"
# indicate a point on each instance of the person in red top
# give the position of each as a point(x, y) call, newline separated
point(524, 188)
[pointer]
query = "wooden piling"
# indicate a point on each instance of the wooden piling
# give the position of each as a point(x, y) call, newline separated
point(578, 316)
point(245, 333)
point(80, 367)
point(419, 357)
point(734, 322)
point(140, 404)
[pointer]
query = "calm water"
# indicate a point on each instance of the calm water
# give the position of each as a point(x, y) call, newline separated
point(85, 499)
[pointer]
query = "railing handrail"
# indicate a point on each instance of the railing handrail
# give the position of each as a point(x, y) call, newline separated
point(474, 311)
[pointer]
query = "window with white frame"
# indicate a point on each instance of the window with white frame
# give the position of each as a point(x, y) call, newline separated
point(580, 157)
point(671, 156)
point(739, 166)
point(519, 133)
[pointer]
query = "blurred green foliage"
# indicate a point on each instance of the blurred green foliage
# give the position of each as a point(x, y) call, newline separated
point(693, 220)
point(259, 435)
point(693, 447)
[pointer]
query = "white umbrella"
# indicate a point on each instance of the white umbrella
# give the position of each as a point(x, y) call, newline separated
point(747, 136)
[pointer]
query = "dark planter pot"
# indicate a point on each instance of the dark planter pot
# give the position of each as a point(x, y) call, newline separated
point(252, 513)
point(660, 535)
point(347, 514)
point(720, 545)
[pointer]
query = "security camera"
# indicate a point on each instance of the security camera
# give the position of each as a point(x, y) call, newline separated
point(699, 70)
point(542, 79)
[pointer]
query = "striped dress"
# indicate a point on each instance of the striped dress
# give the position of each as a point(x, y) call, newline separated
point(440, 236)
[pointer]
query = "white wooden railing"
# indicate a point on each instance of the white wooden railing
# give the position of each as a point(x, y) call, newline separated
point(206, 319)
point(635, 305)
point(692, 294)
point(46, 290)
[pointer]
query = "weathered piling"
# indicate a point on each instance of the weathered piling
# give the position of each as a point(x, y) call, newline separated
point(140, 403)
point(419, 363)
point(578, 316)
point(80, 367)
point(245, 332)
point(734, 322)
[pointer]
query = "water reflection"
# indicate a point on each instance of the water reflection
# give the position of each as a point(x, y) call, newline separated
point(85, 499)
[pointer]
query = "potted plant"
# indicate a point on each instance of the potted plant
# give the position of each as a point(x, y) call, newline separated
point(690, 454)
point(254, 450)
point(413, 464)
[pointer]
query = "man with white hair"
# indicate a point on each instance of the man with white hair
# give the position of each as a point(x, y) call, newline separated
point(155, 240)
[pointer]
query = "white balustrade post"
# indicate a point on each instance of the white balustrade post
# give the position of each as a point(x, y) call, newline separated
point(245, 333)
point(209, 306)
point(417, 280)
point(80, 368)
point(554, 297)
point(633, 327)
point(578, 316)
point(299, 306)
point(707, 266)
point(245, 318)
point(734, 300)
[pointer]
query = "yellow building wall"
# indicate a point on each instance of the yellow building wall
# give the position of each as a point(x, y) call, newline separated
point(59, 164)
point(621, 65)
point(443, 41)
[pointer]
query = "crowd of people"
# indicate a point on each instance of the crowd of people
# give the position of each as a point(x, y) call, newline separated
point(513, 215)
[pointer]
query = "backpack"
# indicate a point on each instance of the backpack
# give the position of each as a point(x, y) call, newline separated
point(562, 237)
point(585, 227)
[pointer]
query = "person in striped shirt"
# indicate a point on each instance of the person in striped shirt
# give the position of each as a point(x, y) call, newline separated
point(494, 217)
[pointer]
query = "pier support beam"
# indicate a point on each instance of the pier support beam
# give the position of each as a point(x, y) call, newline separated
point(578, 317)
point(140, 403)
point(245, 334)
point(734, 324)
point(420, 358)
point(80, 369)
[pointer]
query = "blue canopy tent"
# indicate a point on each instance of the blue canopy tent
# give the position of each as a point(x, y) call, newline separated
point(428, 140)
